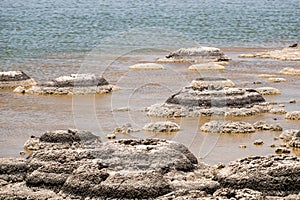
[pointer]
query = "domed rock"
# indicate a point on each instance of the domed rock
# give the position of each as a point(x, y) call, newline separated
point(268, 91)
point(73, 84)
point(290, 71)
point(272, 175)
point(13, 79)
point(164, 126)
point(206, 97)
point(195, 55)
point(292, 137)
point(293, 115)
point(285, 54)
point(146, 66)
point(227, 127)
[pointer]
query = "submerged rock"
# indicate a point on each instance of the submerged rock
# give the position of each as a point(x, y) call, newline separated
point(290, 71)
point(293, 115)
point(211, 96)
point(195, 55)
point(227, 127)
point(266, 75)
point(206, 67)
point(72, 84)
point(146, 66)
point(268, 91)
point(164, 126)
point(271, 175)
point(276, 80)
point(286, 54)
point(13, 79)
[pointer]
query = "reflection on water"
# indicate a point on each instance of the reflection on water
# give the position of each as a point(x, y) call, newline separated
point(25, 115)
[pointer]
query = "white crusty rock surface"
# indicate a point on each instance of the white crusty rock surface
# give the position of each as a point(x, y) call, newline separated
point(13, 79)
point(293, 115)
point(227, 127)
point(211, 96)
point(206, 67)
point(146, 66)
point(162, 126)
point(290, 71)
point(195, 55)
point(268, 91)
point(292, 137)
point(72, 84)
point(285, 54)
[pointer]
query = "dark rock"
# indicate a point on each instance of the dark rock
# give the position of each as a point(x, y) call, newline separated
point(271, 175)
point(12, 79)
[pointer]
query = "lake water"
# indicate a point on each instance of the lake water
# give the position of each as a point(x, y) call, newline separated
point(48, 39)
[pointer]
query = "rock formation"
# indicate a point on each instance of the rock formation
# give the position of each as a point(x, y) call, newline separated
point(286, 54)
point(206, 67)
point(290, 71)
point(211, 96)
point(72, 84)
point(268, 91)
point(292, 137)
point(73, 164)
point(195, 55)
point(13, 79)
point(264, 126)
point(227, 127)
point(164, 126)
point(271, 175)
point(146, 66)
point(293, 115)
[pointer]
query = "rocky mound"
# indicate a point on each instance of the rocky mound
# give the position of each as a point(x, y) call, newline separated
point(227, 127)
point(12, 79)
point(286, 54)
point(195, 55)
point(72, 84)
point(206, 67)
point(264, 126)
point(292, 137)
point(146, 66)
point(271, 175)
point(211, 96)
point(268, 91)
point(73, 164)
point(293, 115)
point(165, 126)
point(290, 71)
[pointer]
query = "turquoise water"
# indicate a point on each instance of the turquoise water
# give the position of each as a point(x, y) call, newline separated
point(31, 29)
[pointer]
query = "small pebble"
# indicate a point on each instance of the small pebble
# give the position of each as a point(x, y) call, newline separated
point(257, 82)
point(22, 153)
point(275, 118)
point(276, 138)
point(258, 142)
point(272, 145)
point(281, 105)
point(242, 146)
point(220, 165)
point(283, 145)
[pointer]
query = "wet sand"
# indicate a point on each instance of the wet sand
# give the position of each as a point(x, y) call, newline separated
point(26, 115)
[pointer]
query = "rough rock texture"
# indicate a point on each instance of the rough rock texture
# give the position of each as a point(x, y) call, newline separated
point(146, 66)
point(276, 80)
point(268, 91)
point(206, 67)
point(73, 164)
point(12, 79)
point(286, 54)
point(164, 126)
point(280, 111)
point(264, 126)
point(72, 84)
point(294, 115)
point(292, 137)
point(195, 55)
point(227, 127)
point(290, 71)
point(271, 175)
point(211, 96)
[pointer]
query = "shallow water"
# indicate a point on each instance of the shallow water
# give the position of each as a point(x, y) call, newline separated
point(25, 115)
point(47, 39)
